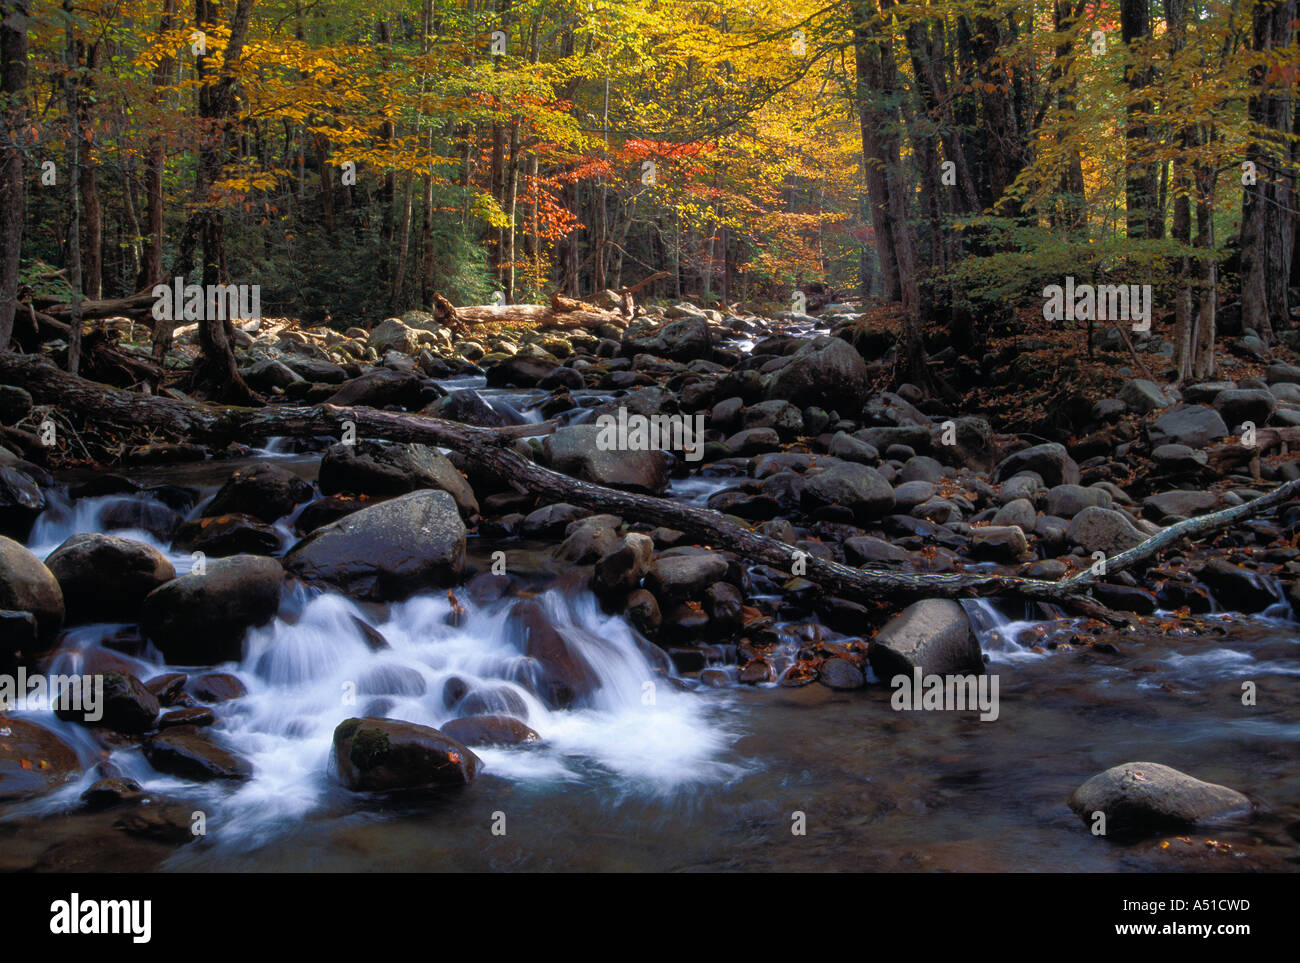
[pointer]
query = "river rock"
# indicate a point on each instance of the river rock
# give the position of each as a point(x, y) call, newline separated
point(1143, 396)
point(858, 487)
point(1182, 504)
point(1192, 425)
point(381, 388)
point(681, 577)
point(520, 372)
point(1235, 588)
point(934, 635)
point(28, 586)
point(266, 492)
point(386, 755)
point(825, 371)
point(840, 674)
point(490, 731)
point(187, 752)
point(622, 569)
point(200, 619)
point(1066, 501)
point(1146, 796)
point(1239, 405)
point(1103, 530)
point(387, 551)
point(467, 407)
point(1051, 462)
point(575, 450)
point(21, 501)
point(999, 543)
point(569, 676)
point(105, 578)
point(221, 536)
point(371, 468)
point(1019, 512)
point(128, 706)
point(33, 759)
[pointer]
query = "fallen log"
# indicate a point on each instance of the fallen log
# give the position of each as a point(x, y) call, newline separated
point(541, 315)
point(491, 450)
point(138, 305)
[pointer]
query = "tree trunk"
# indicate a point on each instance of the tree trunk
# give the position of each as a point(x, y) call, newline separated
point(13, 86)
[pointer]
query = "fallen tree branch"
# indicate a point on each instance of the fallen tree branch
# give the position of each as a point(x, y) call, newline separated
point(542, 315)
point(490, 449)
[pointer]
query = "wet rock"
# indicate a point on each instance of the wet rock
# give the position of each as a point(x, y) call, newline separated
point(329, 509)
point(200, 619)
point(143, 514)
point(33, 759)
point(575, 450)
point(520, 372)
point(570, 677)
point(28, 586)
point(490, 731)
point(185, 751)
point(857, 487)
point(127, 706)
point(622, 569)
point(167, 687)
point(371, 468)
point(824, 371)
point(1125, 598)
point(104, 578)
point(1239, 405)
point(493, 700)
point(215, 687)
point(221, 536)
point(1051, 462)
point(1103, 530)
point(385, 755)
point(1146, 796)
point(191, 716)
point(643, 612)
point(933, 635)
point(723, 603)
point(1235, 588)
point(266, 492)
point(589, 539)
point(467, 407)
point(841, 674)
point(757, 672)
point(108, 793)
point(388, 551)
point(681, 577)
point(1192, 425)
point(21, 502)
point(381, 388)
point(552, 520)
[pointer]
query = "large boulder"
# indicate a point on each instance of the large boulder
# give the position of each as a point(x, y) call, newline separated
point(264, 491)
point(381, 388)
point(1103, 530)
point(679, 577)
point(127, 706)
point(387, 551)
point(371, 468)
point(827, 372)
point(467, 406)
point(684, 340)
point(1049, 461)
point(933, 635)
point(1192, 425)
point(105, 578)
point(567, 674)
point(1146, 796)
point(392, 335)
point(520, 372)
point(201, 618)
point(28, 586)
point(576, 451)
point(388, 755)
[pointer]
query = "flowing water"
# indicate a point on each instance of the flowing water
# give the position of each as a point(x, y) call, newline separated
point(660, 773)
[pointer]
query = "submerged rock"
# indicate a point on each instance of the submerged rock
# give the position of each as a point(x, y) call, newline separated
point(33, 759)
point(1146, 796)
point(187, 752)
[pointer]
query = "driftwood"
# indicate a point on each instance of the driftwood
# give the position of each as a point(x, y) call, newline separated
point(491, 450)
